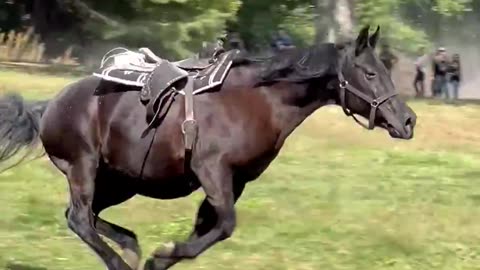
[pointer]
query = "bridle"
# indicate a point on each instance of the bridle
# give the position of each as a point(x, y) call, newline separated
point(375, 103)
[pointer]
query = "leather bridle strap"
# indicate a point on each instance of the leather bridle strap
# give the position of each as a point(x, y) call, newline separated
point(189, 126)
point(374, 103)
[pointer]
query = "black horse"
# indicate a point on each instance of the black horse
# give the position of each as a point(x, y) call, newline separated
point(96, 140)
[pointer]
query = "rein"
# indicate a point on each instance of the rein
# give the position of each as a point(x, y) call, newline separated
point(375, 103)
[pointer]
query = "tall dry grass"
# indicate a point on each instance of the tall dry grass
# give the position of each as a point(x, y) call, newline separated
point(27, 47)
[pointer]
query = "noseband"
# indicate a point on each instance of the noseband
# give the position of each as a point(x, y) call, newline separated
point(374, 102)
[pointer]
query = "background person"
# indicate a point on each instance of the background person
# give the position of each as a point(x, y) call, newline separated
point(419, 81)
point(455, 75)
point(440, 68)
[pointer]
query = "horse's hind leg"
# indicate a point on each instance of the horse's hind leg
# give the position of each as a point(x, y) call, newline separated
point(81, 178)
point(126, 239)
point(107, 195)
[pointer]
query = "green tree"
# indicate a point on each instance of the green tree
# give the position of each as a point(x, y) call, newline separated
point(400, 23)
point(256, 21)
point(174, 28)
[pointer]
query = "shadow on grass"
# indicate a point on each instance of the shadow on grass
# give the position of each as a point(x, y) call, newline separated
point(18, 266)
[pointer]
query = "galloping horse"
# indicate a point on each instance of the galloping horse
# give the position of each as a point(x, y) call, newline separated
point(95, 140)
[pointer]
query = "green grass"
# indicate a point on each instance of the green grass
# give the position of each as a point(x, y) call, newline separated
point(337, 197)
point(32, 85)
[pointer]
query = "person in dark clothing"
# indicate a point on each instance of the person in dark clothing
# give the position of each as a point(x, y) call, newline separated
point(282, 41)
point(388, 58)
point(455, 75)
point(440, 68)
point(419, 82)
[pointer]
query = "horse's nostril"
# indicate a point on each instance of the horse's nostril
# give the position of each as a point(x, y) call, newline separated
point(408, 121)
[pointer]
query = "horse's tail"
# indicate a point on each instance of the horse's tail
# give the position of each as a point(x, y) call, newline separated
point(19, 125)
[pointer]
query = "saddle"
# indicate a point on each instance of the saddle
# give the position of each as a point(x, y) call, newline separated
point(194, 63)
point(159, 81)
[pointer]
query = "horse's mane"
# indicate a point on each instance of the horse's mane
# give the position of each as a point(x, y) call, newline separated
point(293, 65)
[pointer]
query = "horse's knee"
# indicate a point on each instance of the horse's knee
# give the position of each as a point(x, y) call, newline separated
point(227, 232)
point(78, 220)
point(72, 221)
point(228, 227)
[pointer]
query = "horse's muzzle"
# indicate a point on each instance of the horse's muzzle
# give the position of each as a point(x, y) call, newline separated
point(404, 131)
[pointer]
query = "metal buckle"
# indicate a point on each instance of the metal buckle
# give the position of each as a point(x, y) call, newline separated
point(192, 122)
point(343, 84)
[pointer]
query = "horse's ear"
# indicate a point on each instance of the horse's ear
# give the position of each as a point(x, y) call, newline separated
point(362, 40)
point(373, 40)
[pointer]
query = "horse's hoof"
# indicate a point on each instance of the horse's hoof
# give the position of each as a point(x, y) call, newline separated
point(156, 264)
point(167, 251)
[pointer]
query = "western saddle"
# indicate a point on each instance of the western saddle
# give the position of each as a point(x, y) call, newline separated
point(187, 68)
point(161, 80)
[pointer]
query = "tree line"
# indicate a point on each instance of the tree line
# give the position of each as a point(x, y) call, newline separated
point(176, 28)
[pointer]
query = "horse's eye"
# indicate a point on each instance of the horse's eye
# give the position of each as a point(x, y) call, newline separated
point(370, 75)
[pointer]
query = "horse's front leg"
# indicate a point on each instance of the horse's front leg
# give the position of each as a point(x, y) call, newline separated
point(205, 222)
point(216, 220)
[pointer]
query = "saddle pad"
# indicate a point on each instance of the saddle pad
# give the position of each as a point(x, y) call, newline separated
point(123, 76)
point(214, 75)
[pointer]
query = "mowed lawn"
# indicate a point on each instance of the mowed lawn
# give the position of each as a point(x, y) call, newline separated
point(337, 197)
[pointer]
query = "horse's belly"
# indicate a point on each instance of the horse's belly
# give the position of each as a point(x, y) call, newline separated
point(160, 177)
point(109, 179)
point(170, 188)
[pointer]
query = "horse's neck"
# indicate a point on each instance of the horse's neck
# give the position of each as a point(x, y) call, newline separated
point(293, 104)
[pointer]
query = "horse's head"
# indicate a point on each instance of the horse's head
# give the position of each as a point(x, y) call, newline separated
point(366, 88)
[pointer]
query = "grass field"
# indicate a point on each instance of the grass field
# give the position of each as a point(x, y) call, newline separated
point(337, 197)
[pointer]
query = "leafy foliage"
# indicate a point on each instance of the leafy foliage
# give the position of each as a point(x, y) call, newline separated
point(173, 28)
point(257, 21)
point(394, 29)
point(177, 28)
point(395, 17)
point(300, 24)
point(451, 7)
